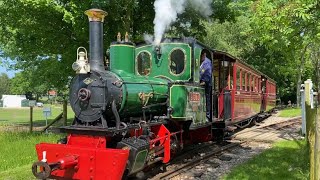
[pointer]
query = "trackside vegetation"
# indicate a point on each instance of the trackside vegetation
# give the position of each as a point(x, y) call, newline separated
point(17, 153)
point(285, 160)
point(290, 112)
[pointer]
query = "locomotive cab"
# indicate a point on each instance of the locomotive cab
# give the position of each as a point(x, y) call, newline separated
point(179, 64)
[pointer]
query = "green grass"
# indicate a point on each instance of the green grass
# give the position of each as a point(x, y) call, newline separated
point(21, 116)
point(17, 153)
point(286, 160)
point(290, 112)
point(17, 150)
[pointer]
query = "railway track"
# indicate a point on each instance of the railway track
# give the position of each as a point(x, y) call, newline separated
point(272, 132)
point(284, 124)
point(278, 124)
point(186, 166)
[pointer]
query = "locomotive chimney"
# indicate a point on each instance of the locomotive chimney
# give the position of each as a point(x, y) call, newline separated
point(96, 18)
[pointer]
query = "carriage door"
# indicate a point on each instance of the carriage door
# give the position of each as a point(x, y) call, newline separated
point(225, 74)
point(215, 87)
point(263, 93)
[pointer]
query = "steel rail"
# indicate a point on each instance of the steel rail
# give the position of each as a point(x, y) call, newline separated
point(176, 171)
point(268, 125)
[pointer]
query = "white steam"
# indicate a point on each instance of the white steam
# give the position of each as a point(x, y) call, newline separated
point(148, 38)
point(202, 6)
point(167, 11)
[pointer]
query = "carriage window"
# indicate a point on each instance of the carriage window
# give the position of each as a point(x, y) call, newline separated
point(243, 80)
point(259, 85)
point(256, 84)
point(144, 63)
point(263, 85)
point(231, 75)
point(177, 61)
point(238, 78)
point(252, 83)
point(248, 81)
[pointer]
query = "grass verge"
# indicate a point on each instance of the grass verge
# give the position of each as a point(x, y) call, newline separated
point(291, 112)
point(286, 160)
point(21, 116)
point(17, 153)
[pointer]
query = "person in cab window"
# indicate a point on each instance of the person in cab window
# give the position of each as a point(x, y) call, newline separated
point(206, 79)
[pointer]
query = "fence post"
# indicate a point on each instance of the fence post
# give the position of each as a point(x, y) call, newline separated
point(307, 94)
point(311, 120)
point(317, 145)
point(65, 113)
point(31, 119)
point(303, 111)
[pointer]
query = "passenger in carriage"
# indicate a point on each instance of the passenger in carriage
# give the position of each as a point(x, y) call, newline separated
point(206, 79)
point(226, 83)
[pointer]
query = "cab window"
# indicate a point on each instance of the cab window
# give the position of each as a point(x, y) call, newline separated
point(177, 61)
point(144, 63)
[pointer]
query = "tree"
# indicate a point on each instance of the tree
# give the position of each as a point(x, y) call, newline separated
point(5, 83)
point(273, 36)
point(38, 40)
point(289, 27)
point(229, 36)
point(28, 82)
point(20, 84)
point(292, 28)
point(43, 35)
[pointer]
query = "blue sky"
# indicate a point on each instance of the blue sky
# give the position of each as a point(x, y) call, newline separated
point(4, 67)
point(10, 73)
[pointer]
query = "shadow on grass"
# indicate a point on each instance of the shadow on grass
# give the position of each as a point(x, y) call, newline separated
point(42, 123)
point(38, 126)
point(286, 160)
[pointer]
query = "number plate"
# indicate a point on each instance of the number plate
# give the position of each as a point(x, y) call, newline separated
point(194, 97)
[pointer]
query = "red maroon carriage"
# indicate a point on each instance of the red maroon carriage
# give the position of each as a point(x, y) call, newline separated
point(240, 92)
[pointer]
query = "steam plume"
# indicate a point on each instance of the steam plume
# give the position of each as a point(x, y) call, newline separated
point(148, 38)
point(167, 12)
point(202, 6)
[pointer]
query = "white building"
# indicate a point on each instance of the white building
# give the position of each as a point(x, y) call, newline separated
point(12, 101)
